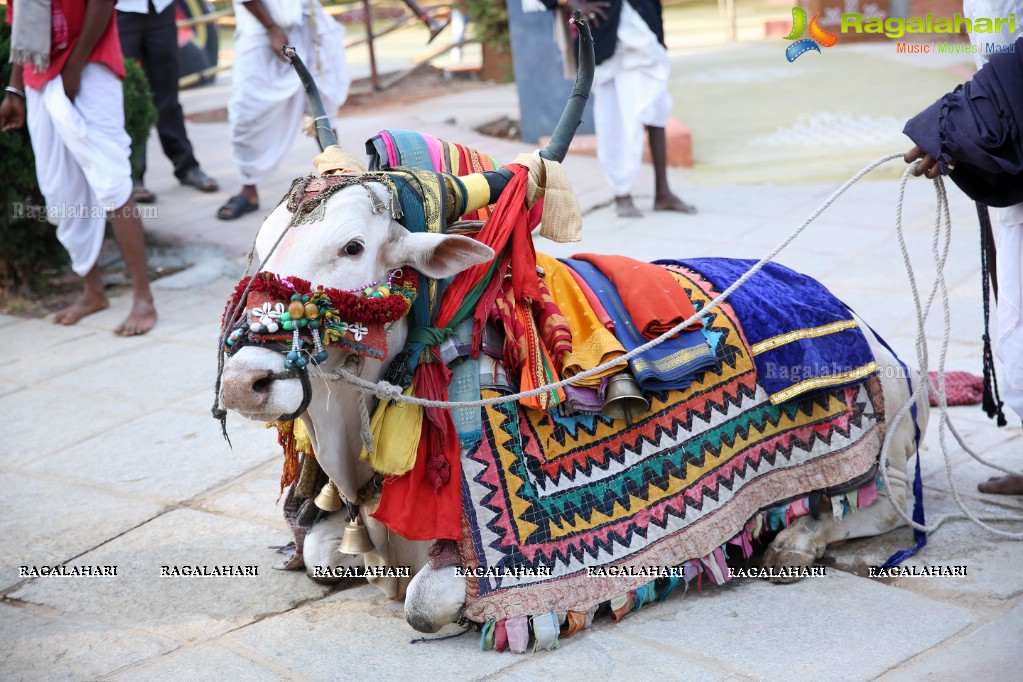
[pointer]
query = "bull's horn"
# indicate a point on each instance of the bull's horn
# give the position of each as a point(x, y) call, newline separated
point(333, 159)
point(324, 130)
point(571, 117)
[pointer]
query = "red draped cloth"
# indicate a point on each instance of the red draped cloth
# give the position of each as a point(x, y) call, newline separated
point(650, 294)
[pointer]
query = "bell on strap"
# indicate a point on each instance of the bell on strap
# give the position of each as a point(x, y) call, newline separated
point(624, 399)
point(355, 539)
point(329, 499)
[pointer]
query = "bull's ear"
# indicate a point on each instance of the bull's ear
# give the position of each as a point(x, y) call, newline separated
point(439, 255)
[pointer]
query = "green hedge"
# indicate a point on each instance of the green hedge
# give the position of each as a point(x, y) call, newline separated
point(29, 250)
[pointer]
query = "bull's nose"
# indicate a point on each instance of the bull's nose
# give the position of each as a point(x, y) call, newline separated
point(246, 390)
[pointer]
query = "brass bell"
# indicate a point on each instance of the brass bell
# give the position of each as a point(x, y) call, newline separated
point(355, 539)
point(329, 499)
point(624, 399)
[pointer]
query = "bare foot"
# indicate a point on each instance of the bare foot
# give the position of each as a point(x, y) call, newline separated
point(140, 320)
point(1010, 484)
point(87, 304)
point(625, 208)
point(670, 202)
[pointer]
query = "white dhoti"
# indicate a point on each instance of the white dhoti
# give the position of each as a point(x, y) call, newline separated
point(630, 92)
point(267, 99)
point(82, 158)
point(1010, 303)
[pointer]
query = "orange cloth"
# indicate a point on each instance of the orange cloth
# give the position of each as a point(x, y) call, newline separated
point(592, 343)
point(651, 296)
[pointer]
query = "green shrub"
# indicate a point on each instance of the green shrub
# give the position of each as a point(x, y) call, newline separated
point(29, 250)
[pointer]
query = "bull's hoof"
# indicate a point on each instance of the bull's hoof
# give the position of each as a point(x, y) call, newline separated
point(434, 598)
point(797, 546)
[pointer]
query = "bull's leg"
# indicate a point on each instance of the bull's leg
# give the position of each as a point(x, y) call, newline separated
point(805, 540)
point(434, 598)
point(320, 549)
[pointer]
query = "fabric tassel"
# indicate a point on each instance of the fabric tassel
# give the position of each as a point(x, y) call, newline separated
point(487, 636)
point(545, 630)
point(645, 595)
point(992, 400)
point(517, 630)
point(621, 605)
point(574, 622)
point(500, 636)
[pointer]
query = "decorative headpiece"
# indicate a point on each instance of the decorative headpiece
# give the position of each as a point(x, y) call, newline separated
point(279, 310)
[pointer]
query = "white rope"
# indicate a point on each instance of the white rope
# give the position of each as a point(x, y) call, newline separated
point(387, 390)
point(939, 248)
point(942, 229)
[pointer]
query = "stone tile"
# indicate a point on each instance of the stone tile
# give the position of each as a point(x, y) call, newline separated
point(45, 521)
point(1001, 446)
point(44, 335)
point(150, 377)
point(252, 497)
point(990, 561)
point(830, 612)
point(38, 644)
point(363, 625)
point(205, 659)
point(9, 387)
point(187, 609)
point(183, 455)
point(597, 654)
point(987, 653)
point(52, 420)
point(89, 348)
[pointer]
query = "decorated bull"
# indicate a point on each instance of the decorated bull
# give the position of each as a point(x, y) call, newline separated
point(528, 514)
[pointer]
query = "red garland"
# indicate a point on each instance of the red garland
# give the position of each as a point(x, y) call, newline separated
point(350, 306)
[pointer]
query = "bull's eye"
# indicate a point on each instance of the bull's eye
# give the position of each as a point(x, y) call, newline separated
point(353, 248)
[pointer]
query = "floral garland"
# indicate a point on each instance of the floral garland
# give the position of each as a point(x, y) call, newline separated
point(278, 309)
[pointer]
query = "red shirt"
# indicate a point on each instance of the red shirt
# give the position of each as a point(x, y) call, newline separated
point(106, 52)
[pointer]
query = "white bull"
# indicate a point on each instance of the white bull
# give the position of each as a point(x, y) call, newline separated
point(353, 246)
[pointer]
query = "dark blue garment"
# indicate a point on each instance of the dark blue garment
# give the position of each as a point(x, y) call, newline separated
point(802, 338)
point(673, 364)
point(605, 35)
point(979, 128)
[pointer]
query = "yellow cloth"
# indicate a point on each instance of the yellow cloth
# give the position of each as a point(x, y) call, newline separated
point(562, 220)
point(592, 343)
point(334, 160)
point(396, 427)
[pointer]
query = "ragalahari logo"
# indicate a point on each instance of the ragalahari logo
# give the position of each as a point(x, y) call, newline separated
point(818, 36)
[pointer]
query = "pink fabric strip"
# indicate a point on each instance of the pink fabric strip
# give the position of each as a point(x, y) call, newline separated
point(868, 494)
point(436, 157)
point(517, 630)
point(591, 298)
point(392, 152)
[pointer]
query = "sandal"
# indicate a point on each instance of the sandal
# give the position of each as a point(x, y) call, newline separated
point(236, 207)
point(141, 195)
point(195, 177)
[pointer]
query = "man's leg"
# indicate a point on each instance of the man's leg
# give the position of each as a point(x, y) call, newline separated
point(664, 198)
point(159, 61)
point(128, 232)
point(132, 27)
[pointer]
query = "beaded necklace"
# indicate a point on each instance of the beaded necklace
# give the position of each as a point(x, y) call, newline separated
point(288, 314)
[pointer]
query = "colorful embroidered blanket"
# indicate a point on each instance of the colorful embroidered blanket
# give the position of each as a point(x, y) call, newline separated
point(546, 498)
point(803, 338)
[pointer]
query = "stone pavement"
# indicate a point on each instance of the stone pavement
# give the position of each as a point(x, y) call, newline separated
point(111, 458)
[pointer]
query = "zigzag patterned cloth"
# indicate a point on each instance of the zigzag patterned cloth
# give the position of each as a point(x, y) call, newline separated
point(547, 493)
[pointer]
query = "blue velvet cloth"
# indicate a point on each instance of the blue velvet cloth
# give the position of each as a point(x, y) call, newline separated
point(802, 337)
point(670, 366)
point(979, 127)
